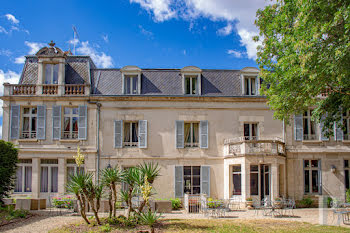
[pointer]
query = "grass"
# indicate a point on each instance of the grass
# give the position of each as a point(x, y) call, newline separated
point(212, 225)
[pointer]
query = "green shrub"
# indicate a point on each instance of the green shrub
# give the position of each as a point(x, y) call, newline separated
point(63, 202)
point(175, 203)
point(105, 228)
point(306, 202)
point(329, 202)
point(348, 196)
point(8, 168)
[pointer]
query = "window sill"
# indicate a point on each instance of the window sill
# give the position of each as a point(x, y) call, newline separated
point(27, 140)
point(313, 141)
point(70, 140)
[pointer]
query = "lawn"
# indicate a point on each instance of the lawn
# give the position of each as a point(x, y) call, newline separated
point(212, 225)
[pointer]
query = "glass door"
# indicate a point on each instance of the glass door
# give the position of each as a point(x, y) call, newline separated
point(265, 181)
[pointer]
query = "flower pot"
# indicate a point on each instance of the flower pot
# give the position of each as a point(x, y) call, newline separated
point(249, 205)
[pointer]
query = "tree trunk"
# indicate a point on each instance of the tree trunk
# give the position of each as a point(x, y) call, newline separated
point(142, 206)
point(114, 199)
point(93, 207)
point(82, 209)
point(129, 203)
point(110, 203)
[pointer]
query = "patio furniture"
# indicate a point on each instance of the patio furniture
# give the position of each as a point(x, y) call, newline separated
point(258, 206)
point(289, 205)
point(235, 202)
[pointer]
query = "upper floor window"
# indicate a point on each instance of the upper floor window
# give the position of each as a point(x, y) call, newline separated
point(250, 131)
point(70, 123)
point(346, 124)
point(131, 84)
point(51, 73)
point(309, 126)
point(29, 121)
point(131, 138)
point(250, 85)
point(191, 134)
point(191, 85)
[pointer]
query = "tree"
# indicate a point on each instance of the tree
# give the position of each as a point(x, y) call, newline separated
point(8, 160)
point(110, 178)
point(305, 53)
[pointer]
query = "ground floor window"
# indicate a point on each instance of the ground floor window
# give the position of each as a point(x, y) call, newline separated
point(24, 176)
point(312, 176)
point(347, 174)
point(49, 175)
point(192, 177)
point(254, 180)
point(237, 180)
point(260, 180)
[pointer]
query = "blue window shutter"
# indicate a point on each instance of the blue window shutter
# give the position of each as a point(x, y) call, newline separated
point(143, 134)
point(179, 131)
point(41, 122)
point(204, 134)
point(56, 122)
point(178, 181)
point(298, 127)
point(319, 177)
point(15, 116)
point(205, 180)
point(322, 133)
point(118, 134)
point(82, 122)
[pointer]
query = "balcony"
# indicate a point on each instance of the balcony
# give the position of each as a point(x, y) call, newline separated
point(243, 146)
point(46, 89)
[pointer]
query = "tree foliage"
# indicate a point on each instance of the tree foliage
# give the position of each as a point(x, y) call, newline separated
point(8, 160)
point(305, 52)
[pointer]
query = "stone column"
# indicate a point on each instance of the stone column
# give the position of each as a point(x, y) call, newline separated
point(61, 176)
point(245, 180)
point(274, 180)
point(61, 77)
point(35, 177)
point(226, 179)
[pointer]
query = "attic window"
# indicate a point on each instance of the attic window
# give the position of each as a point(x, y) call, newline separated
point(51, 73)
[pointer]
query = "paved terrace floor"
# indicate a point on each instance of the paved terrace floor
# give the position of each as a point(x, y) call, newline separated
point(44, 221)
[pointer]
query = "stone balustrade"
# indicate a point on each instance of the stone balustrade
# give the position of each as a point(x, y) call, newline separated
point(46, 89)
point(74, 89)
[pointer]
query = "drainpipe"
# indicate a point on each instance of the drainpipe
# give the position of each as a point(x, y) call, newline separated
point(98, 105)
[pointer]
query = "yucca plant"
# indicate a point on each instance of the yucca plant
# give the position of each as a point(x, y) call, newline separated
point(77, 185)
point(131, 177)
point(110, 178)
point(93, 192)
point(149, 218)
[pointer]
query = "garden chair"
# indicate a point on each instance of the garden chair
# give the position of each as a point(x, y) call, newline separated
point(289, 205)
point(258, 206)
point(336, 210)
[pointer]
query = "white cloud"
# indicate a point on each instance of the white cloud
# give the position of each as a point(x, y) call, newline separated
point(225, 31)
point(105, 38)
point(5, 52)
point(34, 46)
point(20, 60)
point(7, 77)
point(12, 18)
point(235, 53)
point(241, 12)
point(3, 30)
point(100, 58)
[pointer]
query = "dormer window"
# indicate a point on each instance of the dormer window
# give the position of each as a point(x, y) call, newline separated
point(131, 80)
point(51, 73)
point(250, 85)
point(191, 85)
point(250, 81)
point(131, 84)
point(191, 80)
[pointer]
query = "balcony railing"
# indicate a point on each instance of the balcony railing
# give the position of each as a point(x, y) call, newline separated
point(70, 135)
point(50, 89)
point(28, 135)
point(23, 89)
point(254, 146)
point(130, 144)
point(74, 89)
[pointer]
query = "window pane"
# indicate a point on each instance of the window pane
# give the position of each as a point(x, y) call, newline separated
point(127, 132)
point(196, 190)
point(236, 168)
point(54, 179)
point(254, 130)
point(346, 163)
point(187, 184)
point(195, 132)
point(75, 110)
point(33, 129)
point(127, 85)
point(44, 179)
point(67, 110)
point(34, 110)
point(196, 180)
point(246, 85)
point(25, 110)
point(306, 127)
point(314, 181)
point(187, 86)
point(187, 127)
point(237, 187)
point(246, 131)
point(306, 181)
point(254, 168)
point(134, 85)
point(347, 186)
point(314, 163)
point(18, 187)
point(75, 124)
point(135, 132)
point(48, 68)
point(254, 182)
point(194, 85)
point(196, 170)
point(187, 170)
point(313, 127)
point(252, 84)
point(26, 124)
point(267, 183)
point(55, 74)
point(70, 172)
point(306, 163)
point(28, 179)
point(67, 124)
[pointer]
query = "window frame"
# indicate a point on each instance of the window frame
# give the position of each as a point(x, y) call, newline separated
point(192, 75)
point(191, 90)
point(72, 135)
point(247, 79)
point(192, 176)
point(22, 165)
point(251, 137)
point(51, 81)
point(131, 143)
point(310, 124)
point(239, 173)
point(310, 170)
point(128, 74)
point(191, 144)
point(49, 175)
point(30, 115)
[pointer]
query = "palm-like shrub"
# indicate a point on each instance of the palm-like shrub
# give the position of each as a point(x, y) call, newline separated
point(93, 192)
point(110, 177)
point(149, 218)
point(132, 178)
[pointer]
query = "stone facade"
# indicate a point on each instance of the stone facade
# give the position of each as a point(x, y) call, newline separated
point(233, 148)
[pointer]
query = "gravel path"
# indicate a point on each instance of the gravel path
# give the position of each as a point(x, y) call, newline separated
point(44, 222)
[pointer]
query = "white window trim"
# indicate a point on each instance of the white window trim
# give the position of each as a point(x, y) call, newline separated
point(191, 144)
point(30, 115)
point(249, 77)
point(23, 166)
point(199, 83)
point(251, 131)
point(126, 74)
point(131, 143)
point(70, 115)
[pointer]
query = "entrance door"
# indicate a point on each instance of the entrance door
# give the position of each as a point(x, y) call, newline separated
point(265, 181)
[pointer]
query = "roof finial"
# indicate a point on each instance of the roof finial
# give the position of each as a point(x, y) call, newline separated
point(52, 43)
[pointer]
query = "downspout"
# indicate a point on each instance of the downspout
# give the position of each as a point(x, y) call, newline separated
point(98, 105)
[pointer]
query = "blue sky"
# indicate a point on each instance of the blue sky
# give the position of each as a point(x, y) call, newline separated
point(146, 33)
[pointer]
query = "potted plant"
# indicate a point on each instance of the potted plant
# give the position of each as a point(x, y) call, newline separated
point(249, 203)
point(278, 202)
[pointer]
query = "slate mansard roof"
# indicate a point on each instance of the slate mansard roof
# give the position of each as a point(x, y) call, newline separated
point(154, 82)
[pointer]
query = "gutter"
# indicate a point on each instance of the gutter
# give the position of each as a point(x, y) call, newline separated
point(98, 105)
